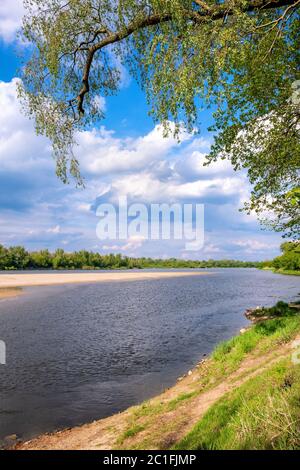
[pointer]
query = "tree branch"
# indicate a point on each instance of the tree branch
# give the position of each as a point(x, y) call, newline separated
point(202, 4)
point(207, 13)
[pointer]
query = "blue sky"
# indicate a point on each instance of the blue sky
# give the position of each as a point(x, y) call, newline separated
point(125, 154)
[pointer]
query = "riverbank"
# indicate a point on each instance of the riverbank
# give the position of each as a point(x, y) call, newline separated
point(246, 395)
point(286, 272)
point(11, 284)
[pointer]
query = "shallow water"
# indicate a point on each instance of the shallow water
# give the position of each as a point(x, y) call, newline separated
point(80, 352)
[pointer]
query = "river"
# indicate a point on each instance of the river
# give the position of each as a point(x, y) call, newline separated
point(81, 352)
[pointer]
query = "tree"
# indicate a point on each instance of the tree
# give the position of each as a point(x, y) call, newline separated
point(3, 257)
point(290, 258)
point(239, 56)
point(60, 259)
point(17, 257)
point(41, 259)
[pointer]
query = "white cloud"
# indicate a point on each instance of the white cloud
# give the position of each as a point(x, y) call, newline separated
point(104, 153)
point(254, 245)
point(11, 12)
point(84, 207)
point(129, 248)
point(36, 209)
point(147, 187)
point(20, 148)
point(100, 103)
point(55, 229)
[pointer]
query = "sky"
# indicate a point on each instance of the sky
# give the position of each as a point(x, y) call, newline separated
point(124, 155)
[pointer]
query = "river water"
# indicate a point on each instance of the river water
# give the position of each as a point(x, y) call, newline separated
point(80, 352)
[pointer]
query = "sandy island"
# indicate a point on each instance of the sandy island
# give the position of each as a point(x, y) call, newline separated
point(9, 292)
point(11, 284)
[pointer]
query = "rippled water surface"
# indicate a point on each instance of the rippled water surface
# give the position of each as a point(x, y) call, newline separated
point(81, 352)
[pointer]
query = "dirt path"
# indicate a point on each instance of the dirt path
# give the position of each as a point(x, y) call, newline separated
point(170, 426)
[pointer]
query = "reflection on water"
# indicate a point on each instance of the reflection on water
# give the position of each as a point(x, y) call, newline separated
point(81, 352)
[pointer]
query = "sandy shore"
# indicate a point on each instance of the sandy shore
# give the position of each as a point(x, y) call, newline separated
point(10, 281)
point(6, 292)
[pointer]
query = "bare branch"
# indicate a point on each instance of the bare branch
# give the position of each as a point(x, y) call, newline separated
point(202, 4)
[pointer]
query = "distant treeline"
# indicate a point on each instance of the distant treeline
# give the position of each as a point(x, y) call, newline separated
point(16, 257)
point(289, 260)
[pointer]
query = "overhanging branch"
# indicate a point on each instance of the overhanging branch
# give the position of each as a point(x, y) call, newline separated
point(204, 14)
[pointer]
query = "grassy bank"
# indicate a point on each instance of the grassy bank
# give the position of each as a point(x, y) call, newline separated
point(288, 272)
point(246, 395)
point(234, 421)
point(263, 413)
point(288, 262)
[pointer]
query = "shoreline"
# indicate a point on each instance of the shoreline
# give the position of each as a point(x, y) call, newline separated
point(285, 272)
point(11, 284)
point(166, 420)
point(10, 292)
point(169, 419)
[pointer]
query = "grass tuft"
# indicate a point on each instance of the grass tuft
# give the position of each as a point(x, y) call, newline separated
point(263, 413)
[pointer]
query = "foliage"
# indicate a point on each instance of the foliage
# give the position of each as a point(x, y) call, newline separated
point(279, 310)
point(240, 57)
point(290, 258)
point(18, 258)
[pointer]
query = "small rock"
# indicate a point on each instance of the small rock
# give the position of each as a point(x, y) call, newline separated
point(190, 372)
point(243, 330)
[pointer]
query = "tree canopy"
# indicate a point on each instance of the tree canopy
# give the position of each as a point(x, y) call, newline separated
point(240, 57)
point(290, 258)
point(17, 257)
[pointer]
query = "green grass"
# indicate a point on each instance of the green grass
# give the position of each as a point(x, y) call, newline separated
point(264, 413)
point(130, 432)
point(147, 409)
point(172, 405)
point(288, 272)
point(259, 339)
point(239, 419)
point(262, 338)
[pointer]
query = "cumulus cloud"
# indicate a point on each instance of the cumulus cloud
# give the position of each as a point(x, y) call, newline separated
point(104, 153)
point(38, 210)
point(11, 12)
point(20, 147)
point(55, 229)
point(129, 248)
point(253, 245)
